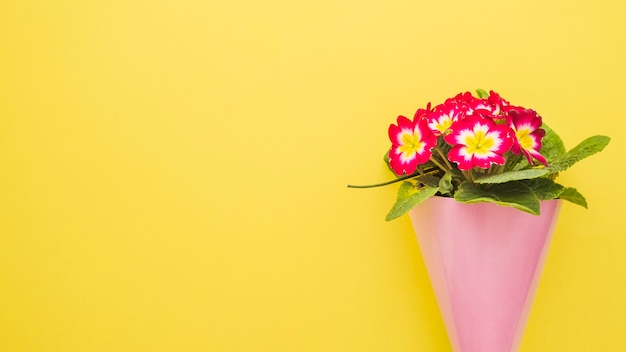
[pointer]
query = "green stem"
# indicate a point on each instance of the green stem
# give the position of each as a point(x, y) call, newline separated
point(512, 160)
point(443, 157)
point(439, 165)
point(468, 175)
point(402, 178)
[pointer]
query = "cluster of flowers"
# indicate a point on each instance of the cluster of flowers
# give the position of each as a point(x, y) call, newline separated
point(479, 131)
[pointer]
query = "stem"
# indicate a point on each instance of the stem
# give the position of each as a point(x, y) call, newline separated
point(443, 157)
point(439, 165)
point(512, 160)
point(402, 178)
point(468, 175)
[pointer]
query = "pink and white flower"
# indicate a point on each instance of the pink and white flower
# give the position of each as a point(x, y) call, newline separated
point(422, 114)
point(411, 145)
point(497, 102)
point(526, 126)
point(443, 117)
point(482, 107)
point(478, 141)
point(470, 105)
point(461, 99)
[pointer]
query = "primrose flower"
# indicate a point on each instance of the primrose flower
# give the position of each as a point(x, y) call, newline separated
point(461, 99)
point(470, 105)
point(442, 118)
point(482, 107)
point(526, 124)
point(422, 114)
point(497, 102)
point(478, 141)
point(411, 145)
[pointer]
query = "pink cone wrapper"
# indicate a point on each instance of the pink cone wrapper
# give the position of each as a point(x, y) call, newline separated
point(484, 262)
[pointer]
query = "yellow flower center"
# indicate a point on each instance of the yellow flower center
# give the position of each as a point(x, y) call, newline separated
point(411, 144)
point(479, 143)
point(443, 124)
point(525, 141)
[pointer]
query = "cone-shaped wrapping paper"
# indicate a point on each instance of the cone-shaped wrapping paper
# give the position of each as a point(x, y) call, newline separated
point(484, 262)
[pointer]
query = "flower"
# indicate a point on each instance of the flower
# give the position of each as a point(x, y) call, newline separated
point(482, 107)
point(526, 124)
point(461, 99)
point(442, 118)
point(411, 144)
point(459, 141)
point(497, 102)
point(478, 141)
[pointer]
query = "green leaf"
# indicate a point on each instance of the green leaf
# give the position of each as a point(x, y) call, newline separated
point(588, 147)
point(512, 176)
point(514, 194)
point(408, 197)
point(552, 145)
point(571, 195)
point(482, 93)
point(386, 159)
point(428, 180)
point(445, 183)
point(543, 188)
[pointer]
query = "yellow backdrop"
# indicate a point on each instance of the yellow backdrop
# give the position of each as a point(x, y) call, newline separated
point(172, 173)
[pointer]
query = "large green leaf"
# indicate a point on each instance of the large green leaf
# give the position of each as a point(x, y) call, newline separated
point(428, 180)
point(514, 194)
point(588, 147)
point(543, 188)
point(512, 176)
point(408, 197)
point(572, 195)
point(552, 145)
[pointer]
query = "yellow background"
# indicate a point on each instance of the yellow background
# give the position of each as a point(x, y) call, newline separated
point(172, 173)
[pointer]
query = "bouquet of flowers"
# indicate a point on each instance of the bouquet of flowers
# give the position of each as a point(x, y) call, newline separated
point(480, 149)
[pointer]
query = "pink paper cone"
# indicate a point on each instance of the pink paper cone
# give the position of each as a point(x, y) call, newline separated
point(484, 262)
